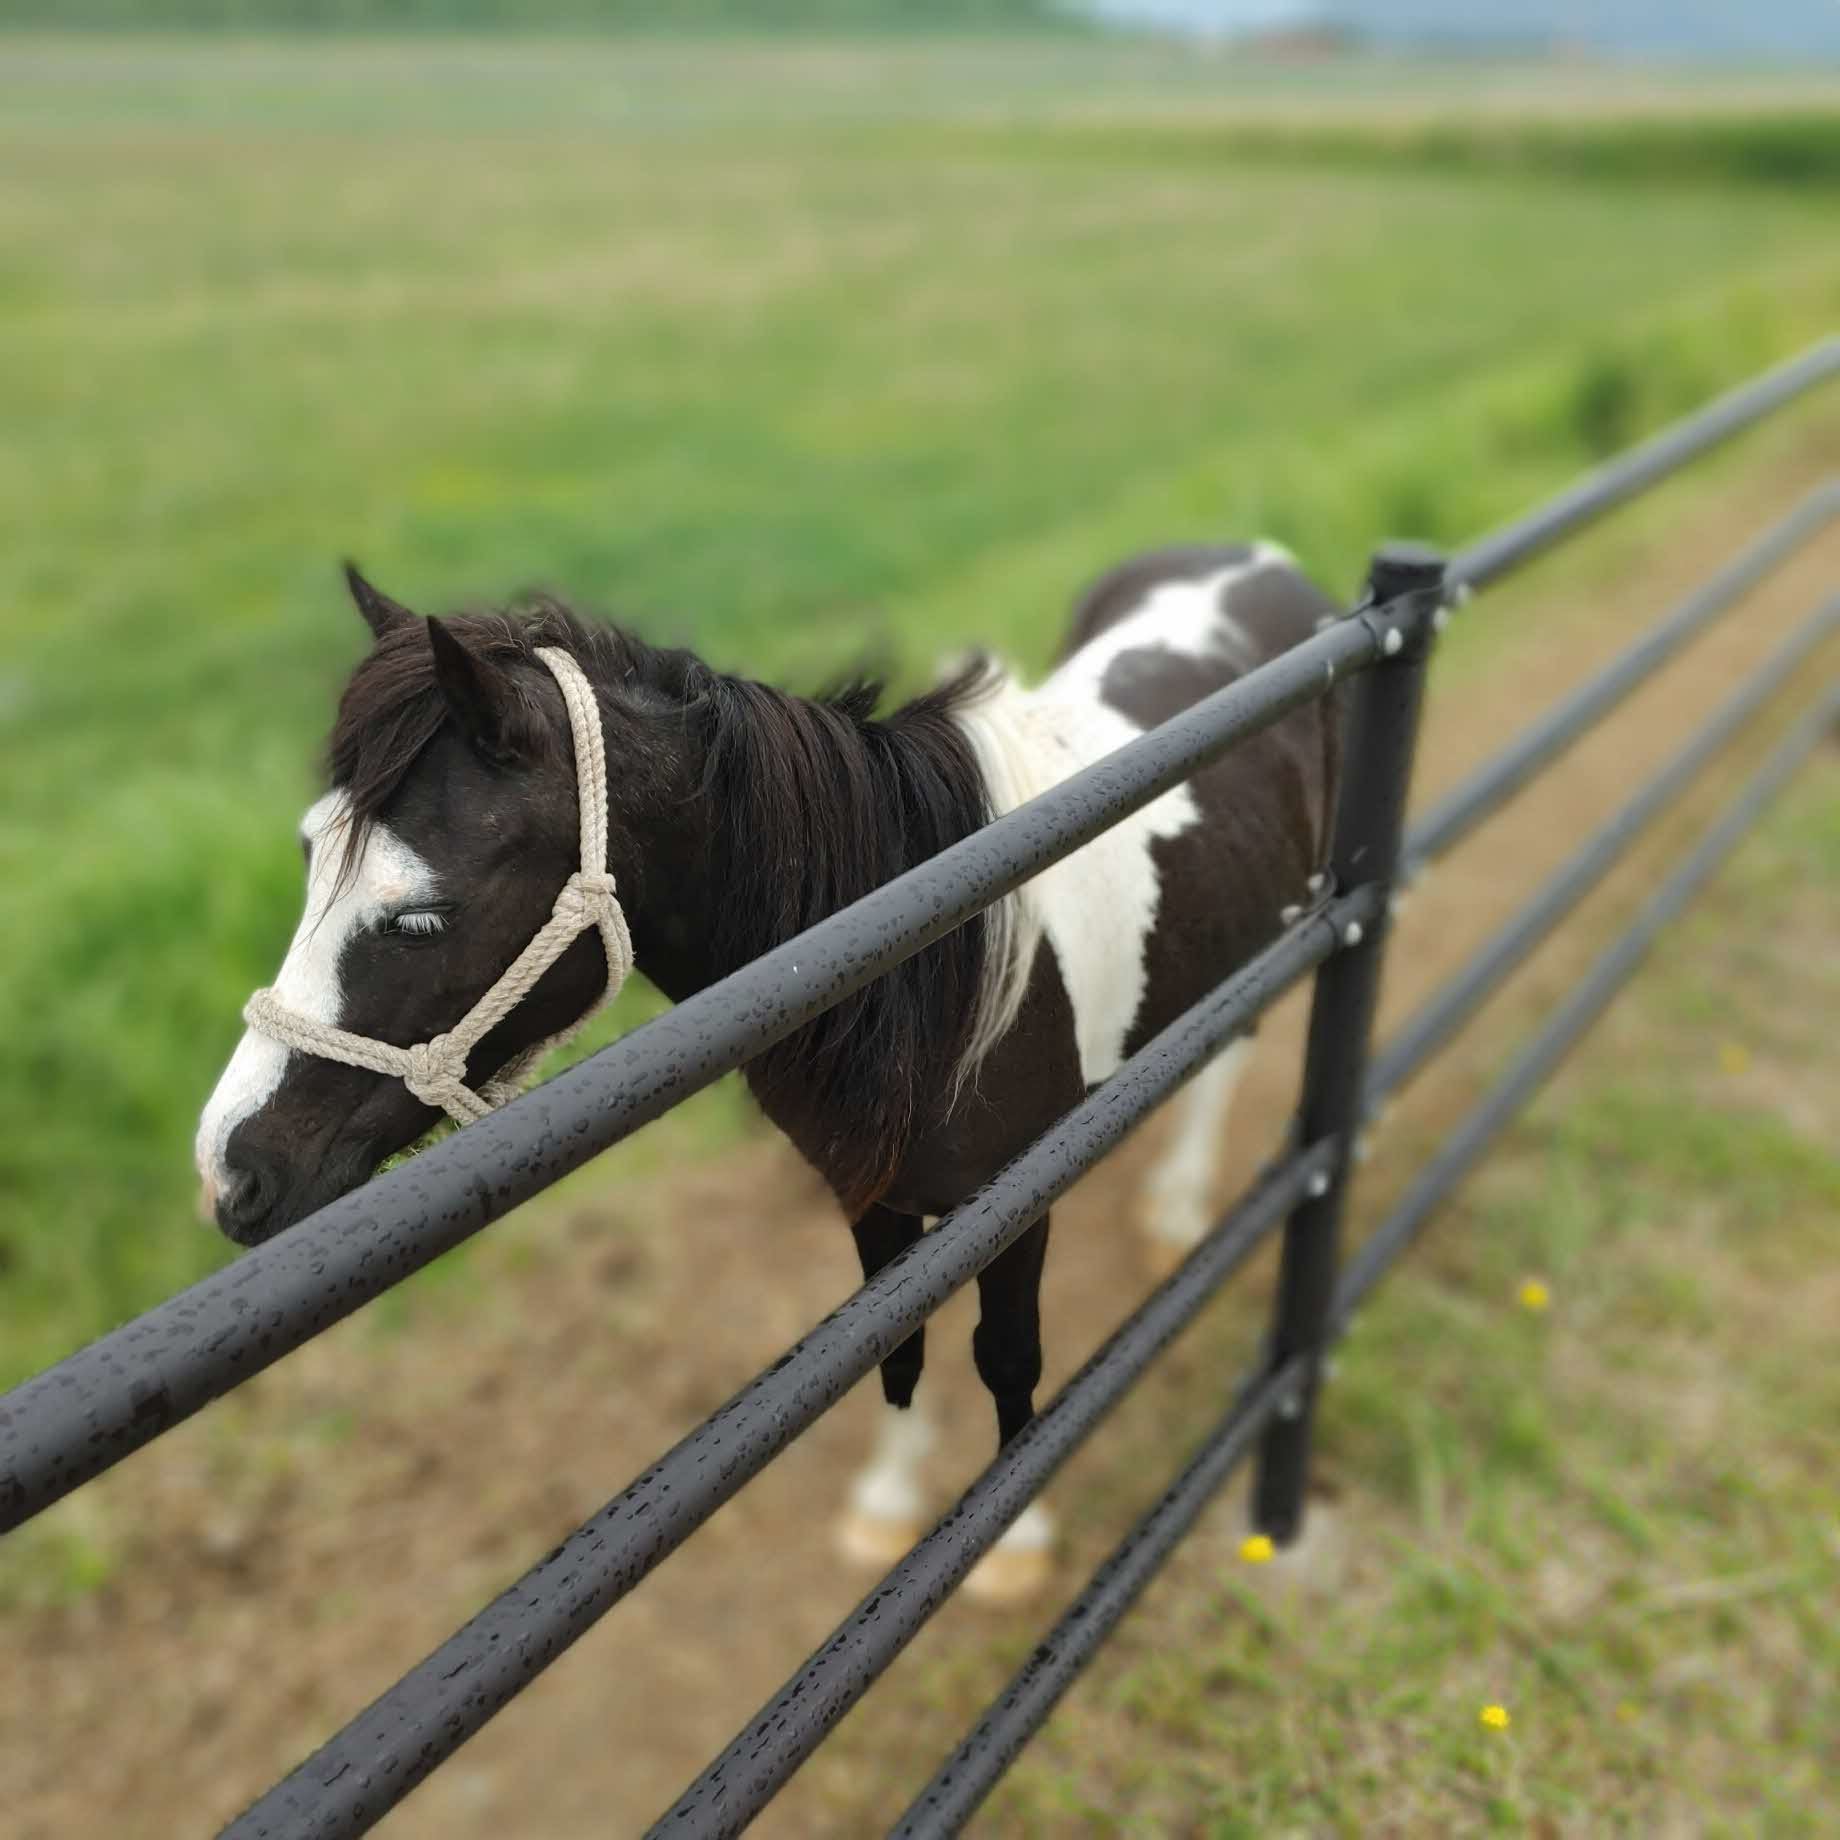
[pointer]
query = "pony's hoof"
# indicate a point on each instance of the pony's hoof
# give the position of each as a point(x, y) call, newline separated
point(1161, 1249)
point(872, 1541)
point(1009, 1575)
point(1161, 1256)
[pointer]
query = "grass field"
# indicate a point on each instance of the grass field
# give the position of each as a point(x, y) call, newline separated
point(797, 353)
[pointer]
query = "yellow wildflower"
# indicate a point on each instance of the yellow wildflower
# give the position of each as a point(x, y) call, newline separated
point(1256, 1548)
point(1494, 1717)
point(1534, 1295)
point(1734, 1057)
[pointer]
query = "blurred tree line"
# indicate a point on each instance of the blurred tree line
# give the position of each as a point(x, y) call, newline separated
point(637, 15)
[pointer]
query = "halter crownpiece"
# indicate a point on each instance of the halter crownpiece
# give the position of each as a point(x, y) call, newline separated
point(435, 1070)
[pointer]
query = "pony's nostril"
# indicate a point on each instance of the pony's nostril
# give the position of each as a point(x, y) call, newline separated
point(245, 1200)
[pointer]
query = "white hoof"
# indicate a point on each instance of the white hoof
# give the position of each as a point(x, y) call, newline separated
point(1019, 1566)
point(1000, 1580)
point(873, 1541)
point(1161, 1256)
point(1171, 1225)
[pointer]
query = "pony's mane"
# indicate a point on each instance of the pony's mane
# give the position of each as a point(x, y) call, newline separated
point(814, 801)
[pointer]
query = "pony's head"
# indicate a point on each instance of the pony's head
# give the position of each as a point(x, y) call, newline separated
point(437, 855)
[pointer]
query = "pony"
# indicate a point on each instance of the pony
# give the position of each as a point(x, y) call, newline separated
point(736, 815)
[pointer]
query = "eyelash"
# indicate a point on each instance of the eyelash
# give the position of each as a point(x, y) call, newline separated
point(417, 923)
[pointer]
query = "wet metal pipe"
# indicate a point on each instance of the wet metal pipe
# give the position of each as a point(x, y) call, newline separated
point(1537, 1060)
point(1543, 741)
point(1518, 543)
point(1458, 999)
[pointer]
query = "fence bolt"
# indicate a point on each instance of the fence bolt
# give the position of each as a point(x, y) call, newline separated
point(1319, 1184)
point(1405, 589)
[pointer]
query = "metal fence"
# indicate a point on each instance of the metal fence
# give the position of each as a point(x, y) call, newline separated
point(91, 1410)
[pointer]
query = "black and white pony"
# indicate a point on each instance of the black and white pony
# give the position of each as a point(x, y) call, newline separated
point(739, 815)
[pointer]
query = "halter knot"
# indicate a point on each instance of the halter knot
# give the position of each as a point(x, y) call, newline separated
point(587, 897)
point(435, 1071)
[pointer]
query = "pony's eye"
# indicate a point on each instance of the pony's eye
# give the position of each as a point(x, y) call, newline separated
point(417, 922)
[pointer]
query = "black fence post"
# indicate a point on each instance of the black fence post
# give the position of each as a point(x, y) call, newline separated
point(1381, 735)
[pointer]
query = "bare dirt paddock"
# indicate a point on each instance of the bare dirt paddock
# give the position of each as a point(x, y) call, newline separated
point(191, 1626)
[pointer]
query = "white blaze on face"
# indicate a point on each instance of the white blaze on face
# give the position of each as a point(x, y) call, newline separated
point(1096, 907)
point(388, 876)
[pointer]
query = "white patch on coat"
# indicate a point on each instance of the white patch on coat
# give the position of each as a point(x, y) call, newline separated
point(1179, 1191)
point(387, 876)
point(1097, 907)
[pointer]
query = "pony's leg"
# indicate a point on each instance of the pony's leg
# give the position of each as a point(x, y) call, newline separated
point(1007, 1349)
point(1174, 1207)
point(887, 1500)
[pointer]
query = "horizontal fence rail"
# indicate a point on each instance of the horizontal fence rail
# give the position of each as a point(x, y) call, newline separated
point(1468, 989)
point(350, 1783)
point(83, 1415)
point(974, 1769)
point(1516, 544)
point(80, 1417)
point(1613, 969)
point(1487, 790)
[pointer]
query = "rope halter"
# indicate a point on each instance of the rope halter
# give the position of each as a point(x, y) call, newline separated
point(435, 1070)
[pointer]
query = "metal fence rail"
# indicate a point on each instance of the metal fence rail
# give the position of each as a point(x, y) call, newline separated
point(1458, 999)
point(1613, 969)
point(89, 1411)
point(1492, 785)
point(1644, 466)
point(1014, 1717)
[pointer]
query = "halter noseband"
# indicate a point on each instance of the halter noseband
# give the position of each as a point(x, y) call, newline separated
point(435, 1070)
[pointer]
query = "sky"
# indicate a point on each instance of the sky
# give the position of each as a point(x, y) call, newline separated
point(1758, 28)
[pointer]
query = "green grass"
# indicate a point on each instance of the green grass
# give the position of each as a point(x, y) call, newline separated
point(702, 336)
point(1614, 1516)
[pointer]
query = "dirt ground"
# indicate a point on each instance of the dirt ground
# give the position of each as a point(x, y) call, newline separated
point(268, 1568)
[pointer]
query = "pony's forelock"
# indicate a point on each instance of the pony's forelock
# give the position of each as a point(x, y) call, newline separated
point(392, 707)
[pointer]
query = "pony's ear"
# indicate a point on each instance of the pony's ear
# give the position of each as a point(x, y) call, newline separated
point(381, 614)
point(476, 694)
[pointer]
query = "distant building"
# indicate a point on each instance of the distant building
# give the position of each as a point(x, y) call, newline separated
point(1308, 42)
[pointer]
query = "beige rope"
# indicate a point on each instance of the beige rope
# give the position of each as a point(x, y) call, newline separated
point(435, 1070)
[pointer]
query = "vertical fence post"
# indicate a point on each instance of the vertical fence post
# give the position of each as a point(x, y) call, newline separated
point(1369, 824)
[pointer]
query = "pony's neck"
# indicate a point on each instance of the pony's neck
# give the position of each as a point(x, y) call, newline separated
point(774, 812)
